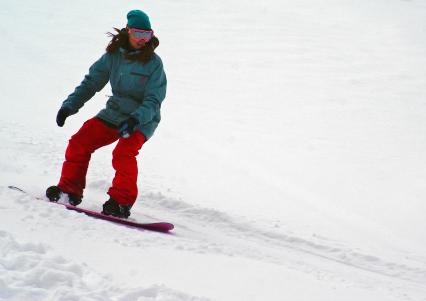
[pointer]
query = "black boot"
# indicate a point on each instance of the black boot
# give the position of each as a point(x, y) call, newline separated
point(111, 207)
point(73, 199)
point(53, 193)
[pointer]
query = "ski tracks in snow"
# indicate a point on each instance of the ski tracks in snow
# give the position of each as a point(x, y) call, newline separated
point(205, 230)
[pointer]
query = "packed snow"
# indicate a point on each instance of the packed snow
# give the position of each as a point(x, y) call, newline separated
point(290, 158)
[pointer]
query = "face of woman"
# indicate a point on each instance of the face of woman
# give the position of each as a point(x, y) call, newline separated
point(136, 44)
point(138, 37)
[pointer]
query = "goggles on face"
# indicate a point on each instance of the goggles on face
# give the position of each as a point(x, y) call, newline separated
point(140, 34)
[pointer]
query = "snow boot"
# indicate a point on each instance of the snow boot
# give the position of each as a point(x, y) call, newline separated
point(53, 193)
point(73, 199)
point(111, 207)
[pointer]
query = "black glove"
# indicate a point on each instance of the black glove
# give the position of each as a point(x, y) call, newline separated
point(127, 127)
point(63, 113)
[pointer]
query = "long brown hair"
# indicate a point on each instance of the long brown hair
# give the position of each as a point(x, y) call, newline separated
point(121, 40)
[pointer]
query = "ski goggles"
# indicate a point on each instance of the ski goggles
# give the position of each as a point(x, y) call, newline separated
point(140, 34)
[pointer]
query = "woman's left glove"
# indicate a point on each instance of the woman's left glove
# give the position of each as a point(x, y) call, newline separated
point(127, 127)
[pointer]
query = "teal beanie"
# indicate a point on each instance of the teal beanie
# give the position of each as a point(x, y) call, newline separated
point(138, 19)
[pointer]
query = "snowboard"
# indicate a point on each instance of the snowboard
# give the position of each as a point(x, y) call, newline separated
point(155, 226)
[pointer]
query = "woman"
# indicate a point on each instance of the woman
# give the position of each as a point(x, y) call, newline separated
point(131, 114)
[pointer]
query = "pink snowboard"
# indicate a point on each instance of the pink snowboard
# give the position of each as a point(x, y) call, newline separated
point(156, 226)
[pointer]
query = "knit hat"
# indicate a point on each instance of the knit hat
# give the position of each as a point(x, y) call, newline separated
point(138, 19)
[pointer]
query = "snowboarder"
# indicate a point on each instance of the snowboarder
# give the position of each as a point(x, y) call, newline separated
point(131, 115)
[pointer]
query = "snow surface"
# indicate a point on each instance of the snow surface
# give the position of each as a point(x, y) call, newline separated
point(291, 155)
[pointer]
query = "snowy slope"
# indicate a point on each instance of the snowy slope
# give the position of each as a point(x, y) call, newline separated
point(291, 155)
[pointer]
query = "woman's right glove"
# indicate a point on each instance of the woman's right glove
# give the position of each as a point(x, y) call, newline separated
point(127, 127)
point(63, 113)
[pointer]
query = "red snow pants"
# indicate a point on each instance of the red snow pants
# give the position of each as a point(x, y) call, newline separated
point(92, 135)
